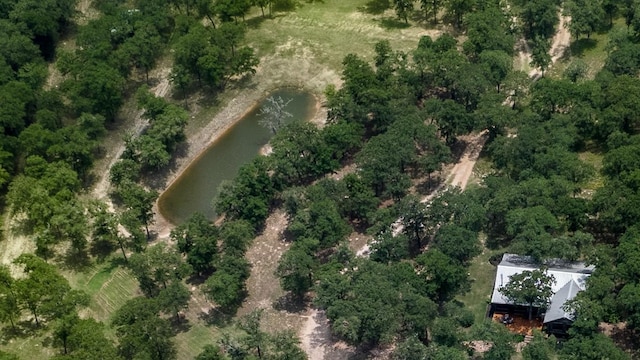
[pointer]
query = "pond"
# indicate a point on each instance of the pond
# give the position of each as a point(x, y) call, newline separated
point(196, 187)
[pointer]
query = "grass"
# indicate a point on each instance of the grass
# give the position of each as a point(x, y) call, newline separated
point(33, 346)
point(592, 51)
point(594, 159)
point(191, 342)
point(482, 278)
point(329, 30)
point(109, 286)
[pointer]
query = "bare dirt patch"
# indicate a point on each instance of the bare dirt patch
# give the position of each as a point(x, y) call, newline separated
point(462, 171)
point(317, 341)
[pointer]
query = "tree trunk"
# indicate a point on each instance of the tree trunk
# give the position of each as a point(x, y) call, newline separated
point(35, 316)
point(124, 254)
point(212, 23)
point(530, 311)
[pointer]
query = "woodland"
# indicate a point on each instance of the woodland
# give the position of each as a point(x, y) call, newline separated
point(397, 119)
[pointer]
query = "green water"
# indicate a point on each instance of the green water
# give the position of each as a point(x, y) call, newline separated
point(195, 189)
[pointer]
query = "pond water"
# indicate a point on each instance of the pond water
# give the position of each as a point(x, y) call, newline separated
point(195, 189)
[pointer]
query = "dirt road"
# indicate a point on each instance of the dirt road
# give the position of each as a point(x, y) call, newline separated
point(559, 45)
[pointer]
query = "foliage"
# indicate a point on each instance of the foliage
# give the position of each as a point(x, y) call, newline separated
point(141, 332)
point(531, 288)
point(43, 292)
point(361, 301)
point(197, 238)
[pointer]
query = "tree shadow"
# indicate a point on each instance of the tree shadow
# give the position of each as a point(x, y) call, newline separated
point(291, 304)
point(179, 324)
point(22, 330)
point(430, 184)
point(255, 22)
point(580, 46)
point(628, 339)
point(216, 317)
point(199, 279)
point(375, 7)
point(390, 23)
point(75, 260)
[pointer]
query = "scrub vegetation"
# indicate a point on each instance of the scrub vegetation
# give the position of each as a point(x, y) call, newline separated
point(409, 88)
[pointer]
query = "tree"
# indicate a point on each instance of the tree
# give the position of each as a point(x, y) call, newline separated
point(96, 88)
point(457, 242)
point(158, 267)
point(286, 345)
point(532, 288)
point(595, 347)
point(173, 299)
point(198, 239)
point(144, 47)
point(300, 154)
point(226, 287)
point(273, 115)
point(138, 203)
point(9, 302)
point(431, 8)
point(403, 7)
point(410, 349)
point(141, 332)
point(586, 16)
point(451, 117)
point(540, 348)
point(540, 57)
point(249, 196)
point(104, 232)
point(82, 339)
point(488, 30)
point(236, 237)
point(230, 10)
point(445, 277)
point(295, 270)
point(256, 338)
point(496, 66)
point(211, 352)
point(538, 17)
point(44, 292)
point(413, 214)
point(456, 9)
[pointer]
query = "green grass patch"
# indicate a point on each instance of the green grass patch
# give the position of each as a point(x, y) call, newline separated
point(191, 342)
point(482, 278)
point(592, 51)
point(594, 159)
point(118, 287)
point(329, 30)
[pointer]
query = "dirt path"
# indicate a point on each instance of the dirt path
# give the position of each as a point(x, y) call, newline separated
point(462, 171)
point(315, 335)
point(559, 44)
point(100, 191)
